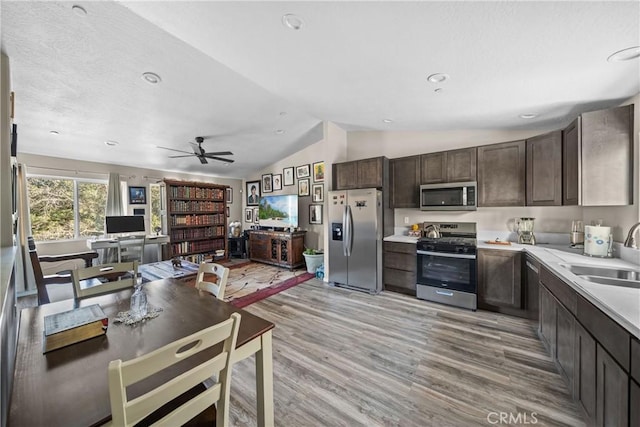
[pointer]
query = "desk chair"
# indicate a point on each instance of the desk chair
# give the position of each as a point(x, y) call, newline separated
point(146, 408)
point(131, 248)
point(217, 288)
point(103, 279)
point(62, 277)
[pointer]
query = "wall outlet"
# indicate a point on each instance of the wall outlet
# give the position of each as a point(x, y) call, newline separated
point(406, 220)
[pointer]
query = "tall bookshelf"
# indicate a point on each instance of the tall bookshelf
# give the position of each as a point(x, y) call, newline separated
point(196, 219)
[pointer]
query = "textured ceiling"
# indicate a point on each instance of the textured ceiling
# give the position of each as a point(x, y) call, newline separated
point(233, 72)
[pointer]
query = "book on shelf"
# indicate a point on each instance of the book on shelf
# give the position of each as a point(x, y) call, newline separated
point(70, 327)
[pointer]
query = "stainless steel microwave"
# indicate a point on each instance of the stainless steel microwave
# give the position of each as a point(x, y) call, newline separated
point(454, 196)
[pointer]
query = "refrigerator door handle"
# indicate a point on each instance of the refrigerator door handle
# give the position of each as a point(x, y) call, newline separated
point(345, 232)
point(349, 227)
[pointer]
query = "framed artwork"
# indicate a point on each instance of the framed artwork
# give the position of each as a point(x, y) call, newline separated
point(137, 195)
point(229, 195)
point(228, 212)
point(253, 193)
point(303, 171)
point(303, 187)
point(248, 214)
point(267, 184)
point(256, 215)
point(315, 214)
point(318, 193)
point(277, 182)
point(318, 172)
point(287, 176)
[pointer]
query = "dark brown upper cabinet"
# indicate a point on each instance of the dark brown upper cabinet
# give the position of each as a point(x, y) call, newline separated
point(405, 182)
point(570, 163)
point(501, 174)
point(366, 173)
point(544, 170)
point(449, 166)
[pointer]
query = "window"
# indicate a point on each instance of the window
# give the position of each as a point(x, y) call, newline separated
point(63, 208)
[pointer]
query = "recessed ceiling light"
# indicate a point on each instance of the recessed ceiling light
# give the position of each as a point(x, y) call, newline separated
point(111, 143)
point(79, 10)
point(438, 77)
point(528, 116)
point(387, 120)
point(292, 21)
point(151, 78)
point(279, 131)
point(625, 54)
point(54, 132)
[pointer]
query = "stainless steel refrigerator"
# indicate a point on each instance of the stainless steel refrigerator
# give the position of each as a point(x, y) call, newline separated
point(355, 241)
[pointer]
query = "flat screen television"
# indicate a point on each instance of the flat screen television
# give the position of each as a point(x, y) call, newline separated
point(124, 224)
point(278, 211)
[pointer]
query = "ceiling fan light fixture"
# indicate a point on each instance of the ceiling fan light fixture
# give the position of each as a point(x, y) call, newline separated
point(151, 78)
point(438, 77)
point(293, 22)
point(528, 116)
point(625, 54)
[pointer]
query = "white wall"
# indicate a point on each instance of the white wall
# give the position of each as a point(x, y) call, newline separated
point(53, 166)
point(6, 233)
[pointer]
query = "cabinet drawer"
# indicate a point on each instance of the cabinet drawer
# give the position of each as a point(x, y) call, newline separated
point(559, 289)
point(399, 261)
point(400, 278)
point(635, 360)
point(405, 248)
point(608, 333)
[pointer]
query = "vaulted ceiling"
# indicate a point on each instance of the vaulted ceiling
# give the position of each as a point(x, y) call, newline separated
point(248, 81)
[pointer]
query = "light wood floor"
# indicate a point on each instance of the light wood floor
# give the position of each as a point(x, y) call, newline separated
point(344, 358)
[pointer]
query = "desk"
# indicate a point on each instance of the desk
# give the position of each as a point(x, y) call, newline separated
point(69, 386)
point(95, 244)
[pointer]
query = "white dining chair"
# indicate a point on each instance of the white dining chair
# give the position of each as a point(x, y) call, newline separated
point(222, 275)
point(103, 279)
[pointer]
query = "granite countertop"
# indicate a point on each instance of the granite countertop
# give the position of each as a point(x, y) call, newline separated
point(401, 239)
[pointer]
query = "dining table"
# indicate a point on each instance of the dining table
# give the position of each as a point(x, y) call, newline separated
point(69, 386)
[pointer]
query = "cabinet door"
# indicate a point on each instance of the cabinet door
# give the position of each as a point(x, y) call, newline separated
point(612, 391)
point(584, 378)
point(634, 404)
point(433, 168)
point(532, 292)
point(607, 157)
point(345, 175)
point(461, 165)
point(405, 175)
point(570, 163)
point(501, 174)
point(259, 246)
point(370, 173)
point(544, 170)
point(565, 335)
point(547, 319)
point(499, 279)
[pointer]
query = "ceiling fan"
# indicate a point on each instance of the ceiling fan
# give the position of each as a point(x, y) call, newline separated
point(199, 152)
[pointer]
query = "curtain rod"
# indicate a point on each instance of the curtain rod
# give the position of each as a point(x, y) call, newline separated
point(76, 171)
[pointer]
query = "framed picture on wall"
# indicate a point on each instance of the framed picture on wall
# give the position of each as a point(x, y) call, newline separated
point(267, 183)
point(248, 215)
point(253, 193)
point(317, 193)
point(303, 171)
point(303, 187)
point(137, 195)
point(315, 214)
point(287, 176)
point(228, 212)
point(277, 182)
point(229, 195)
point(256, 215)
point(318, 172)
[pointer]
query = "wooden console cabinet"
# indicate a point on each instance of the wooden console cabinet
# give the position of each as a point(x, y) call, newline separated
point(279, 248)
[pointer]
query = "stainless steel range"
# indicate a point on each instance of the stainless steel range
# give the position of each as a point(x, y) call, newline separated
point(446, 271)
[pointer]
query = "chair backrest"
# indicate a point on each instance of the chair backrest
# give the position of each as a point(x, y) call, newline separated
point(103, 279)
point(219, 286)
point(131, 248)
point(126, 412)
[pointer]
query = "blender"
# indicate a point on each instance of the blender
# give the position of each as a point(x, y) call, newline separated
point(525, 231)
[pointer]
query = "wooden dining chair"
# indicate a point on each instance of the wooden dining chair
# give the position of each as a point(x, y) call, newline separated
point(143, 409)
point(61, 277)
point(216, 288)
point(131, 248)
point(103, 279)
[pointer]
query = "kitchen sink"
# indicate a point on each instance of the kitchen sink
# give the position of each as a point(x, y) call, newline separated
point(606, 275)
point(613, 281)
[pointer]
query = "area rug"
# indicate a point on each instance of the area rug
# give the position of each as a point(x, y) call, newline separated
point(253, 281)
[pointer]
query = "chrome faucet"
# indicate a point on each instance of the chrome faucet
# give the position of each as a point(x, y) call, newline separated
point(630, 241)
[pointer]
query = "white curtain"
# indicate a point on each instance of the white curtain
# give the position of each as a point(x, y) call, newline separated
point(114, 208)
point(27, 282)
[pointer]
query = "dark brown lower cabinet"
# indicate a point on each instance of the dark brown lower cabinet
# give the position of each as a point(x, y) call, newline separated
point(634, 403)
point(400, 265)
point(612, 391)
point(278, 248)
point(584, 378)
point(565, 336)
point(547, 327)
point(500, 281)
point(532, 280)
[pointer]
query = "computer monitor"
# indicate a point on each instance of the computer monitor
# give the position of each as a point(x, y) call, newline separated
point(124, 224)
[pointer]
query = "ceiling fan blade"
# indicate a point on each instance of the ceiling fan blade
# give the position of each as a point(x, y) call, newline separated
point(218, 153)
point(202, 160)
point(173, 149)
point(185, 155)
point(222, 159)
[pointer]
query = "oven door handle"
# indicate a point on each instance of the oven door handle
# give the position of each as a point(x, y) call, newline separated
point(446, 255)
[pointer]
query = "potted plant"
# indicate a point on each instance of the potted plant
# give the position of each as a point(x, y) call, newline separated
point(313, 259)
